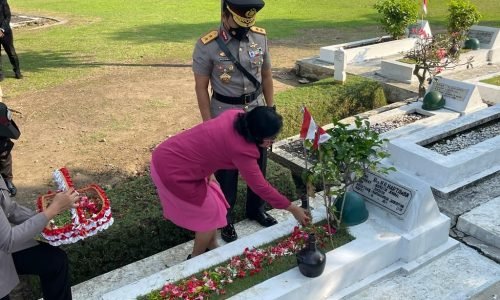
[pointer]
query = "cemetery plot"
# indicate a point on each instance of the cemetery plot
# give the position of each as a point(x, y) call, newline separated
point(402, 71)
point(466, 138)
point(391, 124)
point(383, 244)
point(448, 173)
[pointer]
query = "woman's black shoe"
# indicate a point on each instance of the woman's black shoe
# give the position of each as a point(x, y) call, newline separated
point(228, 233)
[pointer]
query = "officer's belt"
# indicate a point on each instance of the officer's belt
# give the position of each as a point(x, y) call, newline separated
point(243, 99)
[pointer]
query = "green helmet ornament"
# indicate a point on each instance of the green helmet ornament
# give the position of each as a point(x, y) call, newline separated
point(433, 100)
point(472, 43)
point(355, 211)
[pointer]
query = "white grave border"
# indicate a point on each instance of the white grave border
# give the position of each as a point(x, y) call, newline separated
point(449, 173)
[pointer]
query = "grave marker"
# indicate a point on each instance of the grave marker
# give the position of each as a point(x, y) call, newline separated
point(385, 193)
point(419, 29)
point(460, 96)
point(488, 36)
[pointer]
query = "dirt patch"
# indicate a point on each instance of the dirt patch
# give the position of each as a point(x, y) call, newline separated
point(103, 127)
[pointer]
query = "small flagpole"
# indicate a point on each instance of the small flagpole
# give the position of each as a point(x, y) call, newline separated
point(305, 202)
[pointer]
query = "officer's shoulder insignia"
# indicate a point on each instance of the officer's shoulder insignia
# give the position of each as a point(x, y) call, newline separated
point(207, 38)
point(258, 30)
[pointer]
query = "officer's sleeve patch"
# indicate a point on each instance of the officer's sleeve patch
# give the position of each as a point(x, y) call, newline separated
point(207, 38)
point(258, 30)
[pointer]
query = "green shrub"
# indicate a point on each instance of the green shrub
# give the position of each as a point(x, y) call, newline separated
point(140, 230)
point(397, 15)
point(462, 15)
point(327, 99)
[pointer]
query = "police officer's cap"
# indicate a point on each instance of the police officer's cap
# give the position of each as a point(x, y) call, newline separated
point(8, 127)
point(244, 11)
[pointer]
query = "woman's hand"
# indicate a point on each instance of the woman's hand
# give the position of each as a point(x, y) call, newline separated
point(299, 213)
point(62, 201)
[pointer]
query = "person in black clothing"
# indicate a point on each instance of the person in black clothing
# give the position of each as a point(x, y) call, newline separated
point(7, 40)
point(8, 131)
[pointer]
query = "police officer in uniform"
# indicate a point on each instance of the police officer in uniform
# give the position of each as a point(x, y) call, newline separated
point(232, 88)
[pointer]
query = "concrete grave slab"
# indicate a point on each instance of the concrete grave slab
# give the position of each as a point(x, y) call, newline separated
point(386, 242)
point(489, 93)
point(452, 172)
point(483, 222)
point(460, 96)
point(488, 36)
point(459, 274)
point(363, 50)
point(392, 68)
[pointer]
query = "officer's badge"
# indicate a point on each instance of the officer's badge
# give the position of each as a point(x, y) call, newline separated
point(225, 78)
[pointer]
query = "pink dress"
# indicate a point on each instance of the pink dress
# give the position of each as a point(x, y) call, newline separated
point(180, 167)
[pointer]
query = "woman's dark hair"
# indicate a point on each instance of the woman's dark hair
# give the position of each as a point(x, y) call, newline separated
point(259, 123)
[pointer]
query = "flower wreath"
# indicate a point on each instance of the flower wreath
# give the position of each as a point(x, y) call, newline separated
point(91, 216)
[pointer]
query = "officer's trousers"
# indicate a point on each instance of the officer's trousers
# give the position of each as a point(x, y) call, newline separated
point(7, 42)
point(228, 180)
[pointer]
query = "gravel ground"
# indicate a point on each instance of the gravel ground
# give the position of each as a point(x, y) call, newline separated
point(466, 139)
point(396, 122)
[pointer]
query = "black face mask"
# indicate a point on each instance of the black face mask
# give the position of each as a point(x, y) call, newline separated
point(238, 33)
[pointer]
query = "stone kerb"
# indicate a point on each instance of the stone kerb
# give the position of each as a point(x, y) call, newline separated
point(482, 223)
point(296, 163)
point(447, 174)
point(489, 93)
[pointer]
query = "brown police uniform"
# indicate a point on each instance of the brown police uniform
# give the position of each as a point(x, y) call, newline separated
point(225, 78)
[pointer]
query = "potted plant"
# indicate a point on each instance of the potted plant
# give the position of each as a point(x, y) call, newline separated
point(343, 160)
point(462, 15)
point(397, 15)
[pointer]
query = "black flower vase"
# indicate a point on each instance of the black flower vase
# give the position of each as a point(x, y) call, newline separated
point(311, 260)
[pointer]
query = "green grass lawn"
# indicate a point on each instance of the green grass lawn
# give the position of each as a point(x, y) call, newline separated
point(100, 33)
point(493, 80)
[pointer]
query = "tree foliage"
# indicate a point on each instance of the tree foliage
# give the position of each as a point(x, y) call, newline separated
point(397, 15)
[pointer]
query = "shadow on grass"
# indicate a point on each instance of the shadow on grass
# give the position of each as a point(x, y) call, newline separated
point(277, 28)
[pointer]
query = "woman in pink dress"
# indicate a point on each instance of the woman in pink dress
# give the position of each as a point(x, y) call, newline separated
point(182, 169)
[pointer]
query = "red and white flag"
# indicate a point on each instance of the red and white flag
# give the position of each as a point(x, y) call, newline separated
point(320, 137)
point(308, 128)
point(424, 6)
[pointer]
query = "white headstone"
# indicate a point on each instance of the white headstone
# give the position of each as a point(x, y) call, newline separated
point(460, 96)
point(339, 61)
point(421, 29)
point(488, 36)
